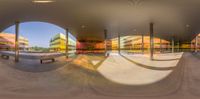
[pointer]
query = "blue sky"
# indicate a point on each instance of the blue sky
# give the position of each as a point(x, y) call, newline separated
point(38, 33)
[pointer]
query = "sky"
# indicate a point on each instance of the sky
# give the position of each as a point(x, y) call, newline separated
point(38, 33)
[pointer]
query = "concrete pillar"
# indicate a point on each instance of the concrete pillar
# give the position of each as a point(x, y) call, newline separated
point(119, 48)
point(196, 44)
point(17, 41)
point(191, 45)
point(105, 41)
point(172, 45)
point(178, 46)
point(66, 49)
point(160, 45)
point(168, 46)
point(151, 41)
point(133, 47)
point(142, 43)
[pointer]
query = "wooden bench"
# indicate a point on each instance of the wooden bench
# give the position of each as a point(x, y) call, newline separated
point(4, 56)
point(46, 58)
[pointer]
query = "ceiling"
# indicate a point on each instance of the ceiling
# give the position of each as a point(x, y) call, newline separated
point(87, 19)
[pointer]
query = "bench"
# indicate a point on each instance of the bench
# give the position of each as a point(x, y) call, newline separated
point(4, 56)
point(42, 59)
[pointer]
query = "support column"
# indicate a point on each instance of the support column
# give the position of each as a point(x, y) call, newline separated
point(151, 41)
point(178, 45)
point(191, 45)
point(169, 46)
point(119, 48)
point(105, 41)
point(142, 43)
point(160, 45)
point(173, 45)
point(17, 41)
point(196, 44)
point(66, 49)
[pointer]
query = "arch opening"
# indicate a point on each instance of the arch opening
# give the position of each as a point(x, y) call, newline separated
point(38, 43)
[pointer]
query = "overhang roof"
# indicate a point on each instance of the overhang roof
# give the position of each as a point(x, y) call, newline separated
point(89, 18)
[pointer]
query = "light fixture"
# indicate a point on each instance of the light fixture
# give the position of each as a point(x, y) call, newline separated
point(187, 25)
point(135, 2)
point(43, 1)
point(83, 26)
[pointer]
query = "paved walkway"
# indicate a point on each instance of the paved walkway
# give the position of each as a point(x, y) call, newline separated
point(138, 69)
point(75, 82)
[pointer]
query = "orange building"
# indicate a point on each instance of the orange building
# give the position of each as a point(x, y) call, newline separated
point(193, 42)
point(90, 46)
point(134, 43)
point(7, 42)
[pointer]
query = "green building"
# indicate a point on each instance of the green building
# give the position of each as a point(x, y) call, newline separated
point(58, 43)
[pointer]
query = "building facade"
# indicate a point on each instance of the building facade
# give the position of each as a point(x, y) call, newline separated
point(7, 42)
point(193, 44)
point(58, 43)
point(90, 46)
point(134, 43)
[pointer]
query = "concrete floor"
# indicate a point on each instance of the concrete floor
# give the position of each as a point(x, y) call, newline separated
point(169, 76)
point(138, 69)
